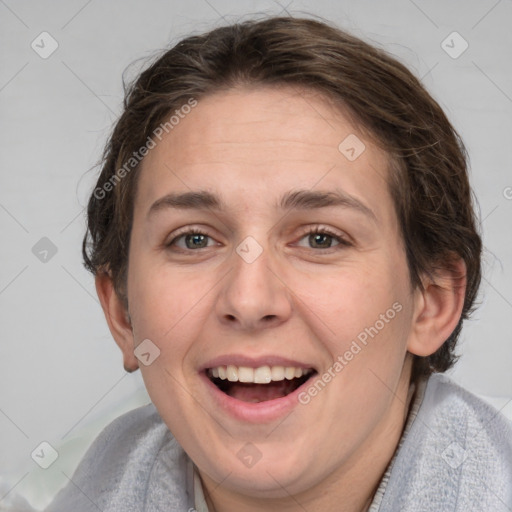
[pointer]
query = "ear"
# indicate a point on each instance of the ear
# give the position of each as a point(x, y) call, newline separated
point(438, 308)
point(117, 318)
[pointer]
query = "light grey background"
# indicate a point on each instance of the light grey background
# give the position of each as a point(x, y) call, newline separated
point(61, 375)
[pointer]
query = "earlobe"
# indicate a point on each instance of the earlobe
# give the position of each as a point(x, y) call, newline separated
point(438, 308)
point(118, 319)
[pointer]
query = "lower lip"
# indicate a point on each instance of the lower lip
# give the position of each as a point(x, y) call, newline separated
point(260, 412)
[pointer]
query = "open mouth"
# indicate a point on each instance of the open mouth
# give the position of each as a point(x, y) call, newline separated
point(258, 384)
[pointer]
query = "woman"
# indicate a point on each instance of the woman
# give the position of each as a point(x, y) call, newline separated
point(283, 241)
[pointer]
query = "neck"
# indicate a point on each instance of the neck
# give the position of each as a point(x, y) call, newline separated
point(350, 488)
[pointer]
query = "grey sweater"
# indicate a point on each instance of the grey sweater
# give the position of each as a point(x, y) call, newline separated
point(455, 455)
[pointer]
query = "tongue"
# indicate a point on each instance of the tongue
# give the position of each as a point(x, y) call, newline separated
point(261, 392)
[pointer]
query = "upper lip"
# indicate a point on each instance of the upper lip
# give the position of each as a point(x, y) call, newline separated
point(253, 362)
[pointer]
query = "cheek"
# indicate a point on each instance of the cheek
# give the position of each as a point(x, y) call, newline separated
point(376, 327)
point(166, 308)
point(352, 298)
point(365, 313)
point(164, 301)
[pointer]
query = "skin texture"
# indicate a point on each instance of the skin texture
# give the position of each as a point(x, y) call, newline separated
point(250, 146)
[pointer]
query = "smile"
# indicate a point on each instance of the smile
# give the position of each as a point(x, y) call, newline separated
point(262, 384)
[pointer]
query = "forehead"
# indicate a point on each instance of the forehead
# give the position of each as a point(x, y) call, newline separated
point(252, 145)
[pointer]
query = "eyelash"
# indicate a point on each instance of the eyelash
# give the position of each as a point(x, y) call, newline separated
point(317, 230)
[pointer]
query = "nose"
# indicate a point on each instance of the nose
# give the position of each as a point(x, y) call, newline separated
point(254, 295)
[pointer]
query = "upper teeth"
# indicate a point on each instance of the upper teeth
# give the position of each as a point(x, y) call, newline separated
point(261, 375)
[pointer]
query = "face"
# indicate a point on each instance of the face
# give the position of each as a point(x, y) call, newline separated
point(276, 290)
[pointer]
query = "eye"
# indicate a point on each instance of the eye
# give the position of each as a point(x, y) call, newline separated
point(192, 239)
point(323, 238)
point(316, 238)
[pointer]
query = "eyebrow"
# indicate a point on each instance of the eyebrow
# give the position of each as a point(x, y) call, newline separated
point(293, 200)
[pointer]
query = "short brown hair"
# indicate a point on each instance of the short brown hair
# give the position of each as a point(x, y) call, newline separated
point(428, 178)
